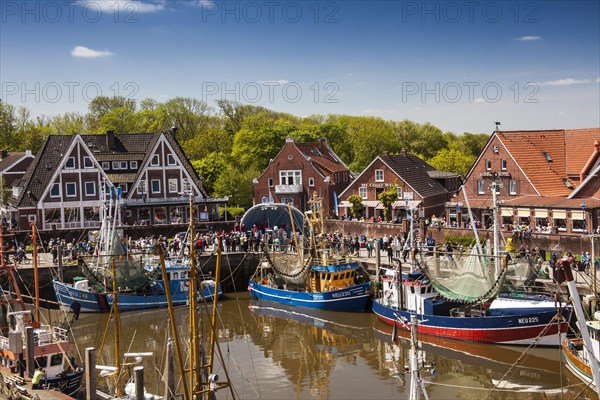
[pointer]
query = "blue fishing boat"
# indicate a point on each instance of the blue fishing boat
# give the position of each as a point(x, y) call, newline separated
point(138, 279)
point(322, 281)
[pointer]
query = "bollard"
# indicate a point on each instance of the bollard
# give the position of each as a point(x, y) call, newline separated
point(138, 373)
point(90, 373)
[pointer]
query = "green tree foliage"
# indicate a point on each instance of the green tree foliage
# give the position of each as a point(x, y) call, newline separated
point(388, 198)
point(452, 161)
point(355, 205)
point(236, 183)
point(259, 140)
point(9, 138)
point(210, 168)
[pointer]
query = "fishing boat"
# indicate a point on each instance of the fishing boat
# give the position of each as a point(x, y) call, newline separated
point(465, 303)
point(582, 354)
point(139, 282)
point(50, 343)
point(323, 280)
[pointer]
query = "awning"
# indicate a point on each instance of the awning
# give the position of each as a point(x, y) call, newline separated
point(412, 204)
point(379, 207)
point(370, 203)
point(541, 213)
point(523, 212)
point(577, 215)
point(506, 212)
point(559, 214)
point(344, 204)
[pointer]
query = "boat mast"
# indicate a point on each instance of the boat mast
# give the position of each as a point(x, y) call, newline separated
point(416, 383)
point(35, 272)
point(195, 380)
point(116, 318)
point(495, 184)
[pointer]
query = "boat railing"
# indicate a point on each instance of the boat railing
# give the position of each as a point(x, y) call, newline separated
point(48, 334)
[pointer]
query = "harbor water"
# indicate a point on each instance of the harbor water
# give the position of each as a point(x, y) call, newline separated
point(274, 352)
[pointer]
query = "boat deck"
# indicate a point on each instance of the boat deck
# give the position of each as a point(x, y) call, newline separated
point(9, 379)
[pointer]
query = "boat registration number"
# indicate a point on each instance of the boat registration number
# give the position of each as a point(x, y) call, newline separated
point(528, 320)
point(341, 294)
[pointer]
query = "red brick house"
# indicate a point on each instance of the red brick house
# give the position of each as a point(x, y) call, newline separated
point(63, 187)
point(548, 181)
point(418, 184)
point(298, 171)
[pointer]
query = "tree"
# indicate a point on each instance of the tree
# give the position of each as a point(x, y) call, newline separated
point(9, 138)
point(210, 167)
point(388, 198)
point(68, 123)
point(237, 183)
point(119, 119)
point(452, 161)
point(259, 140)
point(355, 205)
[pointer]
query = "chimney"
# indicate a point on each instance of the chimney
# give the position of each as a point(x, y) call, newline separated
point(591, 160)
point(174, 130)
point(110, 140)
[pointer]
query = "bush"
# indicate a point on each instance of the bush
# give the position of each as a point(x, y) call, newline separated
point(232, 212)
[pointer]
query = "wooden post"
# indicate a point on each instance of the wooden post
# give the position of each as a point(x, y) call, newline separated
point(30, 357)
point(90, 373)
point(138, 373)
point(377, 258)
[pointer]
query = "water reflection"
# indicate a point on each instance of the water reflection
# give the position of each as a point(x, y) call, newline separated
point(274, 352)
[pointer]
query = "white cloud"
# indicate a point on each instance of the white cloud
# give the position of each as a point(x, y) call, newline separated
point(529, 38)
point(84, 52)
point(479, 100)
point(275, 82)
point(199, 3)
point(564, 82)
point(132, 6)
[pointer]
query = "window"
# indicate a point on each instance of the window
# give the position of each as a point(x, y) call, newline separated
point(123, 164)
point(155, 185)
point(90, 188)
point(124, 187)
point(498, 185)
point(171, 159)
point(41, 362)
point(186, 186)
point(290, 177)
point(127, 213)
point(503, 164)
point(547, 156)
point(56, 359)
point(55, 190)
point(512, 187)
point(270, 182)
point(311, 182)
point(106, 165)
point(578, 221)
point(362, 192)
point(141, 189)
point(496, 148)
point(399, 193)
point(488, 165)
point(71, 188)
point(155, 160)
point(480, 187)
point(116, 165)
point(378, 175)
point(173, 185)
point(70, 164)
point(133, 164)
point(287, 200)
point(87, 162)
point(32, 218)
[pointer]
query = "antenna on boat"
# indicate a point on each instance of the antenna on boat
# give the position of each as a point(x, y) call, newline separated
point(495, 185)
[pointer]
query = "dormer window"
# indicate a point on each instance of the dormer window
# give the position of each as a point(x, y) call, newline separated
point(378, 175)
point(171, 159)
point(547, 156)
point(567, 183)
point(155, 160)
point(133, 164)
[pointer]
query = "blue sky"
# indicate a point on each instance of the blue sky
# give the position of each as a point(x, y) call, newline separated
point(458, 65)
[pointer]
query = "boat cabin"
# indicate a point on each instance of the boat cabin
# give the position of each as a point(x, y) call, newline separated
point(594, 330)
point(329, 277)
